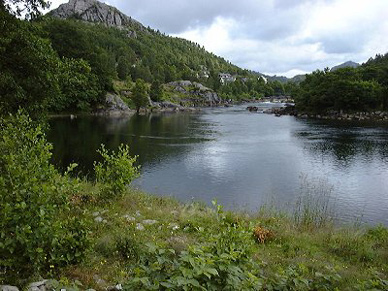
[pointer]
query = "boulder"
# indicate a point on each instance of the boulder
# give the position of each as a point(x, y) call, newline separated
point(117, 287)
point(149, 222)
point(129, 218)
point(39, 286)
point(252, 108)
point(140, 227)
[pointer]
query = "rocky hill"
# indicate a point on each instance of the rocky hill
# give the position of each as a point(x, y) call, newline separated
point(348, 64)
point(119, 48)
point(95, 11)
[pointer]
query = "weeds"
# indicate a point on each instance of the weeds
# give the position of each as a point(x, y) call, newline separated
point(313, 209)
point(224, 262)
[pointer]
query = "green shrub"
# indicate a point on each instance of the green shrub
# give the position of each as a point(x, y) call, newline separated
point(375, 283)
point(224, 263)
point(126, 246)
point(299, 277)
point(116, 171)
point(36, 233)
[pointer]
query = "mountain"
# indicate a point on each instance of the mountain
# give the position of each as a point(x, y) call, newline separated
point(348, 64)
point(127, 46)
point(95, 11)
point(121, 50)
point(282, 79)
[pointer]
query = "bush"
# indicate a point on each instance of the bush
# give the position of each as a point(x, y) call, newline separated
point(116, 171)
point(36, 234)
point(224, 263)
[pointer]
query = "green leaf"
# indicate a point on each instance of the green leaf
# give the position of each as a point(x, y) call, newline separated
point(212, 271)
point(167, 285)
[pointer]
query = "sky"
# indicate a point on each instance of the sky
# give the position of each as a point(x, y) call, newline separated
point(274, 37)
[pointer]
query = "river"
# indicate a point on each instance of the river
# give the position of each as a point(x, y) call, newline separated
point(242, 159)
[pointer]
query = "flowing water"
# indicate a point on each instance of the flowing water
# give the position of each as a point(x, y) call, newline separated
point(242, 159)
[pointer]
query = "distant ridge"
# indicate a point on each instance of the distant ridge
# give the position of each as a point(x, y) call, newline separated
point(97, 12)
point(348, 64)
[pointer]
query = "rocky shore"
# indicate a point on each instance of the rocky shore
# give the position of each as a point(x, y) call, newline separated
point(330, 115)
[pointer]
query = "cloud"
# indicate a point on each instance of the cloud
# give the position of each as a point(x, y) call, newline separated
point(302, 36)
point(272, 36)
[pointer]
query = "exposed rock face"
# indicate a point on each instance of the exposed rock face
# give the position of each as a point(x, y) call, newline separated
point(8, 288)
point(95, 11)
point(196, 89)
point(115, 103)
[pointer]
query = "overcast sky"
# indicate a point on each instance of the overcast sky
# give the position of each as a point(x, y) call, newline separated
point(282, 37)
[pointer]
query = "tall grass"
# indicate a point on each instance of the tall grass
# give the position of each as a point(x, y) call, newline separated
point(314, 207)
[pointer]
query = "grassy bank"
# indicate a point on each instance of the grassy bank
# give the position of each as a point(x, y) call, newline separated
point(97, 234)
point(149, 243)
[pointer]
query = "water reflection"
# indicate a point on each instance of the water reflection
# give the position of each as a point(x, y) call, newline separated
point(354, 158)
point(345, 143)
point(153, 137)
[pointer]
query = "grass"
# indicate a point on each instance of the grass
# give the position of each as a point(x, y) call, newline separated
point(297, 254)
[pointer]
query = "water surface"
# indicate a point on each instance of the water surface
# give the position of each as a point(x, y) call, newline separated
point(242, 159)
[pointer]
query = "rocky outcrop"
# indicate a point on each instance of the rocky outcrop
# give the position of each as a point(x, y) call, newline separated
point(36, 286)
point(114, 106)
point(287, 109)
point(197, 92)
point(97, 12)
point(356, 116)
point(115, 103)
point(330, 115)
point(8, 288)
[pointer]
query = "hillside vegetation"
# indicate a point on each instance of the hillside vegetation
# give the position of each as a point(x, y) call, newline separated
point(67, 65)
point(364, 88)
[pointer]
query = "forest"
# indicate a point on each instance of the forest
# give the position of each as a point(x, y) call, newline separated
point(347, 89)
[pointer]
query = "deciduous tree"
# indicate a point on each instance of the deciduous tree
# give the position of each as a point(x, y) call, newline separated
point(139, 94)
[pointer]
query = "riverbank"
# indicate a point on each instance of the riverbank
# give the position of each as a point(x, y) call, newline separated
point(331, 115)
point(142, 242)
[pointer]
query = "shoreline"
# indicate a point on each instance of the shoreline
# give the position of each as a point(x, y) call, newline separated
point(377, 116)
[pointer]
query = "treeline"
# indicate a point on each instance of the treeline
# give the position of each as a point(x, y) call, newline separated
point(65, 65)
point(348, 89)
point(150, 55)
point(253, 87)
point(58, 65)
point(35, 77)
